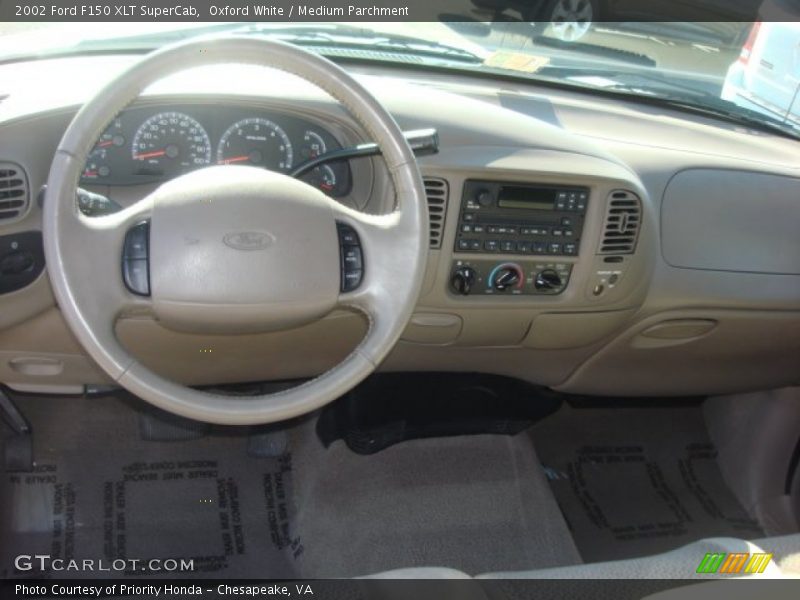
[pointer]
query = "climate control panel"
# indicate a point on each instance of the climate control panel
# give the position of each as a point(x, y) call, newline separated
point(508, 278)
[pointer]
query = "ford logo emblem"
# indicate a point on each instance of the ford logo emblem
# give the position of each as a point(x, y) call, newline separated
point(249, 240)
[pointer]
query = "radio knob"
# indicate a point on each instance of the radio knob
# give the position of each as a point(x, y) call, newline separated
point(547, 280)
point(485, 198)
point(462, 280)
point(505, 278)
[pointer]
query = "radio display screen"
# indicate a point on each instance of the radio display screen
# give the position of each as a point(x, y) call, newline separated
point(531, 198)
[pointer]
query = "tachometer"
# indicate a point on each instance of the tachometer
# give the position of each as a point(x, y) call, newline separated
point(258, 142)
point(170, 143)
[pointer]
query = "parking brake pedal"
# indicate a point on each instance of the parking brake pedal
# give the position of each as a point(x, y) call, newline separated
point(18, 449)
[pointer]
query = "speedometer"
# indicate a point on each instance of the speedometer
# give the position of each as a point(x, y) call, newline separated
point(256, 142)
point(170, 143)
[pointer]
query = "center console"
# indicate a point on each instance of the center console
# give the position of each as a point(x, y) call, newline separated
point(532, 226)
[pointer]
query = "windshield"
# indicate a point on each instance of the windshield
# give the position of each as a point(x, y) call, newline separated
point(748, 72)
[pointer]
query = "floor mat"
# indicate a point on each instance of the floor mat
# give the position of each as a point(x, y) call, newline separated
point(100, 492)
point(476, 503)
point(637, 481)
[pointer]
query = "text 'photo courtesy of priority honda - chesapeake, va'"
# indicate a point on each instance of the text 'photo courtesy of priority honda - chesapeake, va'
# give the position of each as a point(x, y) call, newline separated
point(400, 299)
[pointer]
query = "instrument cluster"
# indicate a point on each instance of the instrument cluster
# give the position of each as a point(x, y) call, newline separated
point(154, 144)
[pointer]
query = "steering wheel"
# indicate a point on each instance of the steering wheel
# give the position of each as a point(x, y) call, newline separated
point(232, 248)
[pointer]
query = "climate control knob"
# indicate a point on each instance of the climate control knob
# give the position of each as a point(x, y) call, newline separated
point(506, 277)
point(462, 280)
point(547, 280)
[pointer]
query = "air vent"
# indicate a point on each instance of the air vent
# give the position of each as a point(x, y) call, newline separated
point(437, 192)
point(621, 227)
point(13, 191)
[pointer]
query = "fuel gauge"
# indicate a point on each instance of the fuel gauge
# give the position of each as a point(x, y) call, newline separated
point(322, 177)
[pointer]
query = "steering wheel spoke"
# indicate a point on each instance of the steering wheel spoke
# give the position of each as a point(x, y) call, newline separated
point(385, 254)
point(91, 260)
point(117, 251)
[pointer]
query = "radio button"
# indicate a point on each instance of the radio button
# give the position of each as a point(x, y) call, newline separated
point(523, 247)
point(491, 246)
point(474, 244)
point(463, 244)
point(508, 246)
point(468, 217)
point(566, 221)
point(539, 248)
point(554, 248)
point(485, 198)
point(558, 232)
point(478, 228)
point(570, 248)
point(466, 228)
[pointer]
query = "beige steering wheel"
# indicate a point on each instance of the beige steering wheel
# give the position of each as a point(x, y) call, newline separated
point(226, 244)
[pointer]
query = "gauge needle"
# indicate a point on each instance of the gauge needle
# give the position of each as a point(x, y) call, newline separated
point(234, 159)
point(150, 154)
point(105, 144)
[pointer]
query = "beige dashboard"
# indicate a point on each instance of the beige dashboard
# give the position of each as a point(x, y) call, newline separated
point(706, 301)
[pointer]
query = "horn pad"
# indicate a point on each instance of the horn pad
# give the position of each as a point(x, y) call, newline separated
point(241, 249)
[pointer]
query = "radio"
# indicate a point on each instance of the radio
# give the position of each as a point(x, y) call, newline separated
point(514, 218)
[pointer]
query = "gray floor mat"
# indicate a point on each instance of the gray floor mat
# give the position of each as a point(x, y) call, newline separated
point(637, 481)
point(476, 503)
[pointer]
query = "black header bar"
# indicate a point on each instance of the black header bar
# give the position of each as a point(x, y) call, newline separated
point(386, 10)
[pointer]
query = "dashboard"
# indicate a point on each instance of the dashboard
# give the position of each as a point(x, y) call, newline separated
point(586, 244)
point(152, 144)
